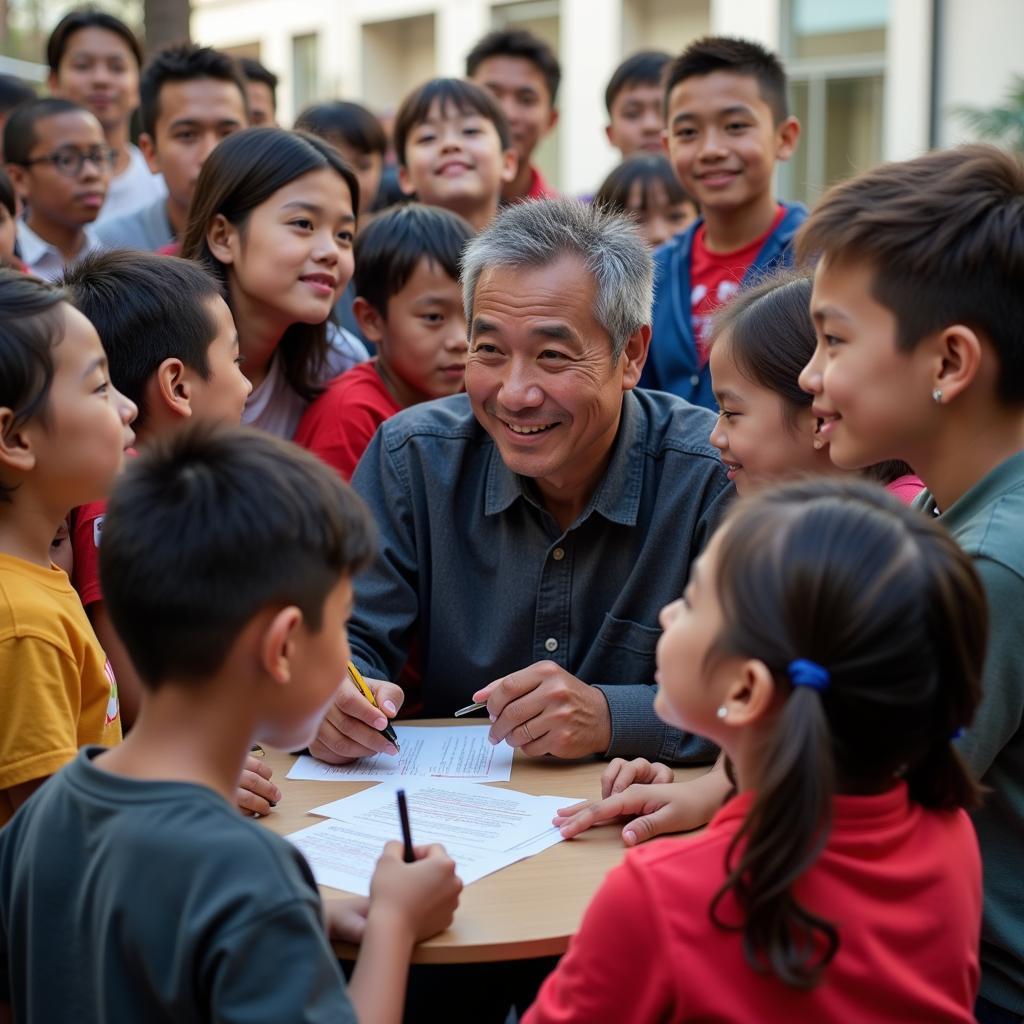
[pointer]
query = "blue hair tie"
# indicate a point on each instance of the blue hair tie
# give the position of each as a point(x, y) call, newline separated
point(957, 733)
point(802, 672)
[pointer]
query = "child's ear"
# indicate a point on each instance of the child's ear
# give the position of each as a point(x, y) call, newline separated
point(751, 694)
point(222, 238)
point(15, 445)
point(174, 387)
point(509, 165)
point(371, 323)
point(18, 176)
point(147, 146)
point(960, 360)
point(278, 647)
point(405, 182)
point(635, 354)
point(786, 137)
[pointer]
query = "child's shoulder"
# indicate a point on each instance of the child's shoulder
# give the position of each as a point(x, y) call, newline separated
point(37, 602)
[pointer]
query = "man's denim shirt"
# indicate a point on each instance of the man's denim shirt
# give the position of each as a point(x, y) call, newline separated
point(475, 576)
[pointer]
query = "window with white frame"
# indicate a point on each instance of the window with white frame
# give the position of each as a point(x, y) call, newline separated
point(834, 52)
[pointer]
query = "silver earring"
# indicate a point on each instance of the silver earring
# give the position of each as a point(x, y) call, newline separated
point(937, 396)
point(722, 711)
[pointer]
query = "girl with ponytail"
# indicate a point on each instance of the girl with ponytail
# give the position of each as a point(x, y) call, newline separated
point(831, 642)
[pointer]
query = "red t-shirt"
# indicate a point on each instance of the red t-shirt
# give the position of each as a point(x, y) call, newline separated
point(85, 527)
point(715, 278)
point(539, 188)
point(339, 424)
point(901, 883)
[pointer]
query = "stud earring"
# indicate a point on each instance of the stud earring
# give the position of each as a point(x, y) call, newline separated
point(722, 711)
point(937, 396)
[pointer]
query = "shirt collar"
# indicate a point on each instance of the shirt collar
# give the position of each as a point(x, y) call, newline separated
point(617, 495)
point(1007, 476)
point(35, 250)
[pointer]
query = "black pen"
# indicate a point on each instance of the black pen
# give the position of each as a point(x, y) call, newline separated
point(403, 816)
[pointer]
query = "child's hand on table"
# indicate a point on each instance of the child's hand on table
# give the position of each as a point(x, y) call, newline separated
point(345, 917)
point(424, 894)
point(655, 805)
point(256, 794)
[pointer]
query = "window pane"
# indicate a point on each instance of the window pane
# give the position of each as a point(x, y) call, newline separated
point(837, 28)
point(305, 82)
point(854, 118)
point(795, 176)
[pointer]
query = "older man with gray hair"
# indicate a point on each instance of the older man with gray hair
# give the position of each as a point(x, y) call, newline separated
point(532, 528)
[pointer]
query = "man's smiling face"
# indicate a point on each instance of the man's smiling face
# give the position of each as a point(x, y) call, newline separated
point(541, 377)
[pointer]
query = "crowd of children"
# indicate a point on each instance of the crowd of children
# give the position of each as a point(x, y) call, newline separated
point(175, 587)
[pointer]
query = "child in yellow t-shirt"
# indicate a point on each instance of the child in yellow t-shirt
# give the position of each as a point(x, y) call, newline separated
point(63, 431)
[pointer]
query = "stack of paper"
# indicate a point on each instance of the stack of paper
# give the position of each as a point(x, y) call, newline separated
point(453, 752)
point(483, 829)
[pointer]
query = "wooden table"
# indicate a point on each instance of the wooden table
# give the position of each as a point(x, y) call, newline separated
point(528, 909)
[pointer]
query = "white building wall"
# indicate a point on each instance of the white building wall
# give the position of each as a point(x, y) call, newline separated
point(374, 50)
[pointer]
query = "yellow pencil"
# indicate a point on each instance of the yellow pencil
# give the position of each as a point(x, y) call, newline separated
point(388, 731)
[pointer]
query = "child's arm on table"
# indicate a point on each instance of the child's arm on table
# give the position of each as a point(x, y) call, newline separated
point(408, 903)
point(640, 790)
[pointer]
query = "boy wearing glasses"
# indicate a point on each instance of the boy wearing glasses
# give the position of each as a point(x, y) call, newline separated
point(59, 162)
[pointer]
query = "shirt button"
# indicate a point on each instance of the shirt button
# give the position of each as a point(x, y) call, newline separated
point(558, 554)
point(551, 644)
point(694, 380)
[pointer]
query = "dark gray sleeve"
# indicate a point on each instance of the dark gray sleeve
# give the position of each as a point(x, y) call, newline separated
point(386, 611)
point(276, 968)
point(638, 732)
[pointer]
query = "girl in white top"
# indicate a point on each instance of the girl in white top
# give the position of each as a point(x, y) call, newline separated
point(273, 217)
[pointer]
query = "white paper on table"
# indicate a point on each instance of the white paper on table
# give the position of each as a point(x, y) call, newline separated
point(454, 752)
point(447, 811)
point(343, 852)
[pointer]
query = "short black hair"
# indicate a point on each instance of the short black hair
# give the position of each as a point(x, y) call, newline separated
point(467, 97)
point(14, 92)
point(146, 308)
point(212, 525)
point(739, 56)
point(254, 71)
point(87, 17)
point(7, 196)
point(348, 122)
point(517, 42)
point(647, 169)
point(184, 62)
point(31, 324)
point(390, 248)
point(643, 68)
point(20, 127)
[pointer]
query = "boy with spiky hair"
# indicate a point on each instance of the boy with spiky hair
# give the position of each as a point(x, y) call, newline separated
point(728, 124)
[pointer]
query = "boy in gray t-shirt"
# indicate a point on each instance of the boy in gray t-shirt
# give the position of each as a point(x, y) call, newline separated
point(130, 888)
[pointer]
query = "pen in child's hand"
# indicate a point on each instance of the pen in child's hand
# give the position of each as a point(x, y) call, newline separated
point(388, 732)
point(403, 815)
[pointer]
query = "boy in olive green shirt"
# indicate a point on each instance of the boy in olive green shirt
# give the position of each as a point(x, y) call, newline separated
point(918, 304)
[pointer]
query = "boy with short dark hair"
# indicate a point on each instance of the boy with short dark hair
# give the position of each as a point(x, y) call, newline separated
point(409, 303)
point(728, 125)
point(355, 133)
point(918, 304)
point(454, 149)
point(172, 349)
point(635, 100)
point(63, 431)
point(191, 98)
point(261, 89)
point(94, 60)
point(59, 162)
point(13, 92)
point(523, 74)
point(175, 907)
